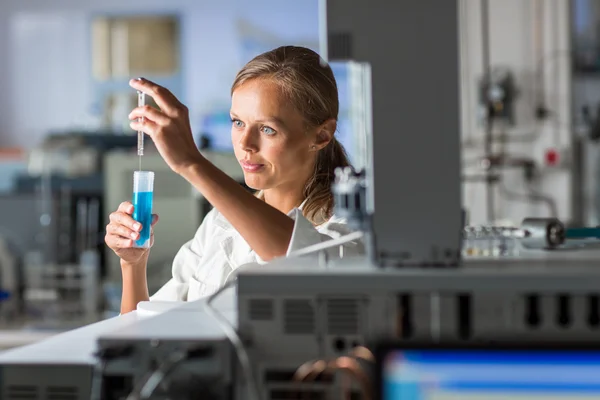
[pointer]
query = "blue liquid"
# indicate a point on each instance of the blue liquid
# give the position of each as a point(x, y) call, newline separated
point(142, 213)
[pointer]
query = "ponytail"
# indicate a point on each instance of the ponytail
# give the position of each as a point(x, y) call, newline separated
point(318, 207)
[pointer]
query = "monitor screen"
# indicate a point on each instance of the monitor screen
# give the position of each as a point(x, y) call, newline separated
point(477, 374)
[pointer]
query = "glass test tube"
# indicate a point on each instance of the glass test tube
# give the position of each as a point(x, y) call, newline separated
point(143, 189)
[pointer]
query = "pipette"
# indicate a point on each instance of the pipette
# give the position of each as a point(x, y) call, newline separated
point(140, 141)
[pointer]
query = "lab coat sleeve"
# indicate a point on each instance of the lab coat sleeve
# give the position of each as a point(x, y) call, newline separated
point(305, 234)
point(185, 264)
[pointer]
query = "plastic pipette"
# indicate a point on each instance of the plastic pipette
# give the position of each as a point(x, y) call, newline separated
point(140, 141)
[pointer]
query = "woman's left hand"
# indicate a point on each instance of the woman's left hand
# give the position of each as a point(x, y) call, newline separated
point(168, 127)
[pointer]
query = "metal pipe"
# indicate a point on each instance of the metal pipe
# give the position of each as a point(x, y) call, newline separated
point(538, 44)
point(487, 72)
point(556, 73)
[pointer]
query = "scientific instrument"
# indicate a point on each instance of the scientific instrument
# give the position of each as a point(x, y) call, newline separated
point(140, 143)
point(143, 190)
point(184, 207)
point(296, 319)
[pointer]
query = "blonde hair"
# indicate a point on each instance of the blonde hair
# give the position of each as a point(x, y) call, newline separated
point(308, 82)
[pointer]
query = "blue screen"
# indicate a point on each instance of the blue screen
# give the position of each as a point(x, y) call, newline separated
point(491, 375)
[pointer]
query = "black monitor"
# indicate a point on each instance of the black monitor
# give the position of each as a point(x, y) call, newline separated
point(499, 371)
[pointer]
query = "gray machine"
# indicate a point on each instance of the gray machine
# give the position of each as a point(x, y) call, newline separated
point(297, 316)
point(185, 345)
point(301, 314)
point(293, 311)
point(412, 50)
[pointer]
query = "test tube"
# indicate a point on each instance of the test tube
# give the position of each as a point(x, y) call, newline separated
point(143, 189)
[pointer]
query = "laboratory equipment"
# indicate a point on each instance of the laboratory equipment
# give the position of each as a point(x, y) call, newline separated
point(65, 155)
point(60, 367)
point(173, 197)
point(206, 366)
point(49, 290)
point(414, 204)
point(89, 264)
point(10, 304)
point(298, 310)
point(12, 164)
point(140, 137)
point(533, 233)
point(119, 351)
point(292, 311)
point(143, 189)
point(497, 95)
point(423, 370)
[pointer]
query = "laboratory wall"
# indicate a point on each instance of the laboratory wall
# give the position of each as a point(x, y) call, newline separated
point(45, 75)
point(45, 55)
point(532, 40)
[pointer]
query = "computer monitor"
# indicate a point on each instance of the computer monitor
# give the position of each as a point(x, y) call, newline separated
point(489, 372)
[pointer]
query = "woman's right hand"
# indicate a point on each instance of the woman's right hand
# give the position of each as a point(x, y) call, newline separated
point(122, 232)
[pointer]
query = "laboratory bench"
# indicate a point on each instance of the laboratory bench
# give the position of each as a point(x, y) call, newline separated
point(22, 332)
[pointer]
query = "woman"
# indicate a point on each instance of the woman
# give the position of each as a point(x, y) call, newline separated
point(284, 108)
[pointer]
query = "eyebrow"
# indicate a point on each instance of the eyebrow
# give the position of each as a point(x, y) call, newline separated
point(277, 120)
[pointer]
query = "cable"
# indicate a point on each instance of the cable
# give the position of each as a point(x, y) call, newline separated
point(235, 340)
point(538, 49)
point(161, 373)
point(556, 74)
point(327, 244)
point(145, 389)
point(530, 197)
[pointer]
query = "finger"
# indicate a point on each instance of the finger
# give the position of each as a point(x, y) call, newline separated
point(146, 126)
point(117, 242)
point(167, 102)
point(121, 230)
point(125, 219)
point(154, 219)
point(150, 113)
point(126, 207)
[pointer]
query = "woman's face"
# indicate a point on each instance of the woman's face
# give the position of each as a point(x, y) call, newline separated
point(270, 138)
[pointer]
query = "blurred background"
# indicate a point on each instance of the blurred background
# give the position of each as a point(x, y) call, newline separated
point(530, 72)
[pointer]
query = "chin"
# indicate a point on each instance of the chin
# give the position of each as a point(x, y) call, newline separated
point(255, 183)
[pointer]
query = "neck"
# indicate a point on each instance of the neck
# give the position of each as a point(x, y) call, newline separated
point(283, 200)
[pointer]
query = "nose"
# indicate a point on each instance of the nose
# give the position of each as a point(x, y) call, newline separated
point(248, 141)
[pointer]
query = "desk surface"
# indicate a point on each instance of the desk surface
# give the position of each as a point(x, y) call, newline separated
point(184, 321)
point(77, 347)
point(11, 338)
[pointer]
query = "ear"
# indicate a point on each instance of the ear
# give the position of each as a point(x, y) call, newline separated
point(324, 134)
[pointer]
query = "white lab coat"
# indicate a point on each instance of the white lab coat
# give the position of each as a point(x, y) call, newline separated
point(205, 263)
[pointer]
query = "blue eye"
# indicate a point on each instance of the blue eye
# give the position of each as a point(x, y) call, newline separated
point(237, 123)
point(268, 131)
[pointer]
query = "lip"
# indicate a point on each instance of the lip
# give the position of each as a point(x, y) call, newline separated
point(250, 167)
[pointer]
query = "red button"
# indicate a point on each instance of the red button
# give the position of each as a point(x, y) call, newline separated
point(551, 157)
